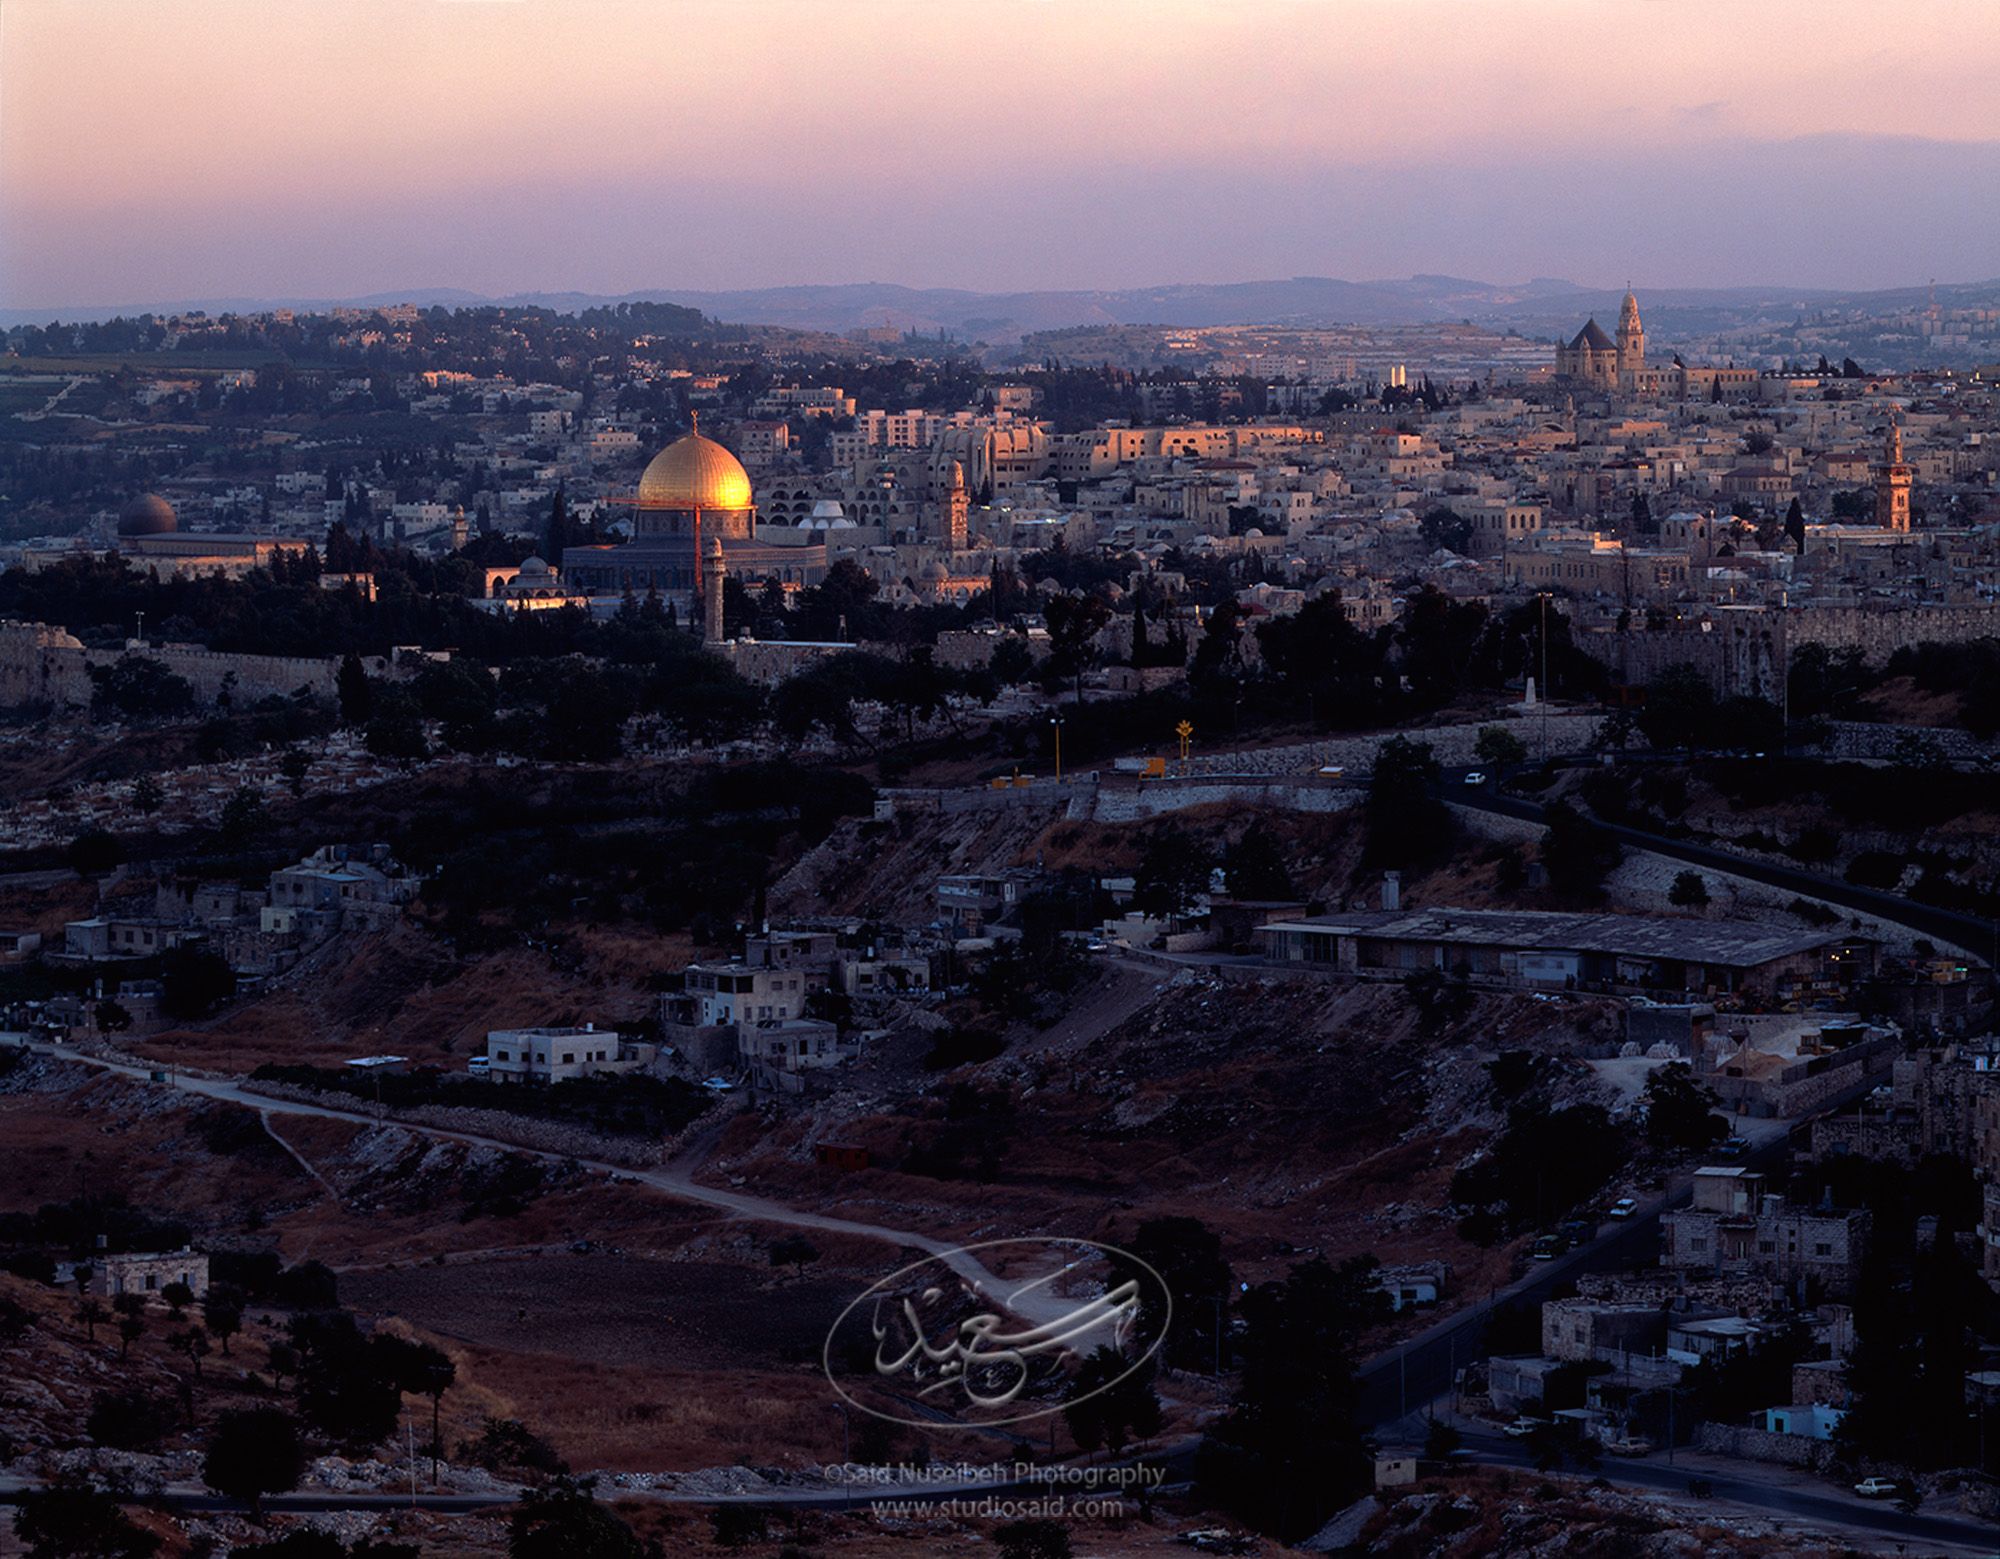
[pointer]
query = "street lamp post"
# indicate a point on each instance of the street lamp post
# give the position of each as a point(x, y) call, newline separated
point(1056, 721)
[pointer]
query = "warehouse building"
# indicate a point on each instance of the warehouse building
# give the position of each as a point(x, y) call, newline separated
point(1585, 952)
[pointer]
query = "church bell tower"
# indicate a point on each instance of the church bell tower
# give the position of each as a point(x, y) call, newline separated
point(1631, 340)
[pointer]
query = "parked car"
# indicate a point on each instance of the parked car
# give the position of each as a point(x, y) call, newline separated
point(1624, 1207)
point(1524, 1426)
point(1878, 1488)
point(1630, 1445)
point(1548, 1247)
point(1578, 1232)
point(1733, 1147)
point(1476, 777)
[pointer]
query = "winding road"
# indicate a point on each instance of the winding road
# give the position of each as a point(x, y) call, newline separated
point(1035, 1304)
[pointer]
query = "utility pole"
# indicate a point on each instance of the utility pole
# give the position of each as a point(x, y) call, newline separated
point(1055, 721)
point(1545, 676)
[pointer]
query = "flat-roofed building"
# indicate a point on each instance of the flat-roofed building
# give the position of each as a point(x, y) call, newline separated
point(557, 1055)
point(739, 992)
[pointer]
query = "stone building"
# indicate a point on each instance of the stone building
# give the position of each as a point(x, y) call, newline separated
point(139, 1272)
point(1593, 359)
point(359, 885)
point(1734, 1226)
point(778, 1054)
point(1583, 1330)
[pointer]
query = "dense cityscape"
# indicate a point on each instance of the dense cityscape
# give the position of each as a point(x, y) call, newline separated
point(1040, 920)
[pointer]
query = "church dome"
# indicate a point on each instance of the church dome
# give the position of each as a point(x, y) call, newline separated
point(695, 473)
point(147, 515)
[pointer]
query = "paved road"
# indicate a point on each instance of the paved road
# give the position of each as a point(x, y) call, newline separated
point(1174, 1460)
point(1405, 1379)
point(1835, 1508)
point(1967, 931)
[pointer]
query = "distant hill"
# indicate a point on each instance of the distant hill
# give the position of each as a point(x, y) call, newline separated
point(1544, 305)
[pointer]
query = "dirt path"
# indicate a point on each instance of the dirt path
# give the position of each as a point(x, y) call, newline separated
point(299, 1158)
point(1037, 1305)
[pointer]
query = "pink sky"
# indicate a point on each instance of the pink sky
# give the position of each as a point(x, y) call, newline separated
point(161, 149)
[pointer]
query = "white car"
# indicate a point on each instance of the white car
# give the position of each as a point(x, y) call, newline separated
point(1878, 1488)
point(1624, 1207)
point(1524, 1426)
point(1476, 777)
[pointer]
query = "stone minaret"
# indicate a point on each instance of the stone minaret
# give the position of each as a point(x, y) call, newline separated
point(712, 573)
point(957, 506)
point(1892, 484)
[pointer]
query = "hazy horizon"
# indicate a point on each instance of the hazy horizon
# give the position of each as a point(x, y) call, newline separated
point(218, 149)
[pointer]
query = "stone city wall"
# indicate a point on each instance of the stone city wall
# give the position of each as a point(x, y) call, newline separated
point(1741, 650)
point(44, 665)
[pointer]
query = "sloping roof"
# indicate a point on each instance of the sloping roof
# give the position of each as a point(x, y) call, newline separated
point(1736, 944)
point(1592, 335)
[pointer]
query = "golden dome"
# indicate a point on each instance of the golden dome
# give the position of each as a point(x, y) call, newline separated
point(695, 473)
